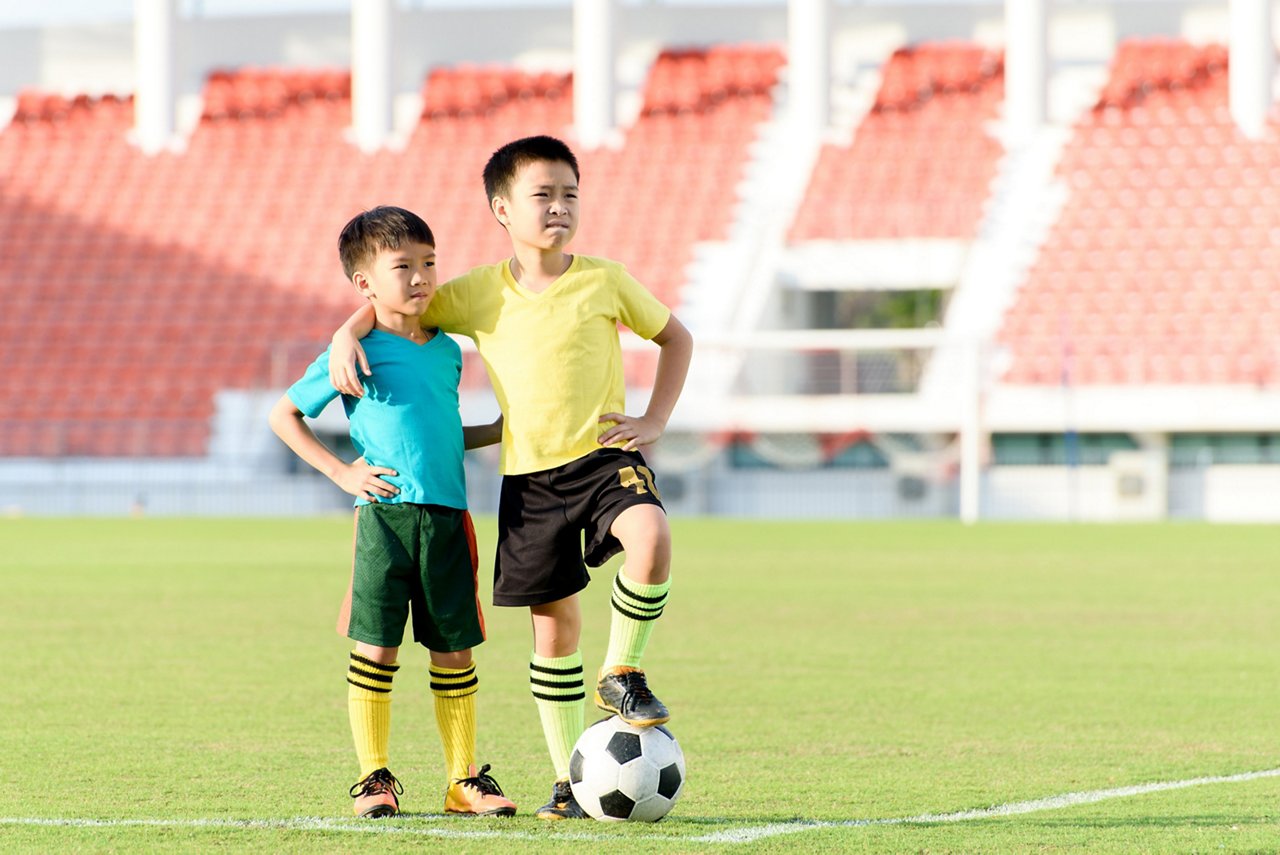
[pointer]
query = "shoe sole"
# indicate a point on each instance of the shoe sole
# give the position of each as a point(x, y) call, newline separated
point(379, 812)
point(494, 812)
point(634, 722)
point(555, 817)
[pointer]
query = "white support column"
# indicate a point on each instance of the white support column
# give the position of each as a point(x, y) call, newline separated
point(971, 432)
point(371, 71)
point(154, 101)
point(1026, 67)
point(809, 65)
point(594, 64)
point(1252, 65)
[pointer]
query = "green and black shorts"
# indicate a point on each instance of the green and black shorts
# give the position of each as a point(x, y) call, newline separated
point(418, 559)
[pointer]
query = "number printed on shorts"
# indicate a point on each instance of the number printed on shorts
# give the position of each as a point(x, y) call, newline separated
point(640, 478)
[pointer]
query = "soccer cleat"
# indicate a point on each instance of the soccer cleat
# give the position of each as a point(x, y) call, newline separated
point(376, 795)
point(624, 692)
point(562, 805)
point(478, 795)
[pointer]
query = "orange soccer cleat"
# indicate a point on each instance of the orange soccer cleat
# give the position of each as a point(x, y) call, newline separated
point(477, 795)
point(375, 795)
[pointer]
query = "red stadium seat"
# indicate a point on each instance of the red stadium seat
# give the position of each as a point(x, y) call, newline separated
point(892, 170)
point(235, 235)
point(1159, 164)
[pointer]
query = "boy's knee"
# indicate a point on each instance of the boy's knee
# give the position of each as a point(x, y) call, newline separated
point(642, 526)
point(455, 659)
point(647, 541)
point(374, 653)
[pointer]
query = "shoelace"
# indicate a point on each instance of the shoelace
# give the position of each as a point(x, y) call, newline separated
point(377, 783)
point(637, 686)
point(483, 782)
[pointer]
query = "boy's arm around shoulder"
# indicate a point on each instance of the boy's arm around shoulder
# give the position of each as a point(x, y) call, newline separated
point(358, 478)
point(675, 344)
point(347, 358)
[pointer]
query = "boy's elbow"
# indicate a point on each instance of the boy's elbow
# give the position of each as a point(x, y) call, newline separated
point(281, 414)
point(273, 421)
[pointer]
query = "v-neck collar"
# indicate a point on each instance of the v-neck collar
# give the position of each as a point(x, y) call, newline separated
point(534, 295)
point(410, 342)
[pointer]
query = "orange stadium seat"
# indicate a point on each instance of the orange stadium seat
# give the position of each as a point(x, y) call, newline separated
point(1165, 239)
point(920, 163)
point(215, 267)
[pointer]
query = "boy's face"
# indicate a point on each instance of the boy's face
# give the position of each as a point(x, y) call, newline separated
point(400, 280)
point(541, 209)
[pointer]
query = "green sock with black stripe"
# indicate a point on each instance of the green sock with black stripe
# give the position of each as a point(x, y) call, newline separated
point(369, 707)
point(557, 687)
point(635, 608)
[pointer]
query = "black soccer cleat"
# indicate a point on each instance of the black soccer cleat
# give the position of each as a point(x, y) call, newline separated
point(562, 805)
point(624, 692)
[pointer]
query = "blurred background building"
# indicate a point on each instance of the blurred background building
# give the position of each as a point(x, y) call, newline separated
point(1007, 260)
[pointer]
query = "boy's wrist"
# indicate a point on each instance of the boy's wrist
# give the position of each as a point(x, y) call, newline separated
point(659, 421)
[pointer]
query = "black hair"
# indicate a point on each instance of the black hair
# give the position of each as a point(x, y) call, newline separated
point(383, 227)
point(503, 165)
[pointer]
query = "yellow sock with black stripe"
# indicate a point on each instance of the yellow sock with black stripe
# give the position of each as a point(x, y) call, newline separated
point(369, 707)
point(635, 608)
point(558, 691)
point(455, 692)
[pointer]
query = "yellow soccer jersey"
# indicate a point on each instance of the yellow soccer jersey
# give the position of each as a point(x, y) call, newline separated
point(554, 358)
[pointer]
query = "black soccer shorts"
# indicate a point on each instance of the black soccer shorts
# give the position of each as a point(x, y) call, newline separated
point(545, 517)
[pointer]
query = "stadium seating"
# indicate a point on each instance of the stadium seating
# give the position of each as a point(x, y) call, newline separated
point(1162, 266)
point(214, 266)
point(920, 163)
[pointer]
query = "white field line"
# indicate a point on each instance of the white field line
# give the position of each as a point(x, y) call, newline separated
point(746, 835)
point(728, 836)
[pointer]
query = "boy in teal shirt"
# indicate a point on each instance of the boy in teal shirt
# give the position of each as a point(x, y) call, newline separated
point(415, 546)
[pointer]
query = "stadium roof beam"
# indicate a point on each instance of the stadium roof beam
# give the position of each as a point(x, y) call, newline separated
point(371, 68)
point(1026, 67)
point(594, 64)
point(1252, 65)
point(809, 65)
point(154, 108)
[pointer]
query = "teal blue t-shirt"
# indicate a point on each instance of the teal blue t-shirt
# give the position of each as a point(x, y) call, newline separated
point(408, 419)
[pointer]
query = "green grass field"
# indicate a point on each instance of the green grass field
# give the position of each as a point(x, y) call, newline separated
point(177, 685)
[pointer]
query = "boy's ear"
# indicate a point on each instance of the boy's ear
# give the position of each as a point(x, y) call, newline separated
point(361, 283)
point(498, 205)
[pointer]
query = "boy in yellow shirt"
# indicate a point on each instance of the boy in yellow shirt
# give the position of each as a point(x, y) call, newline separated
point(545, 323)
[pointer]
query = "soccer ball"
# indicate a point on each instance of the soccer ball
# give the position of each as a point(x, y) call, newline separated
point(619, 772)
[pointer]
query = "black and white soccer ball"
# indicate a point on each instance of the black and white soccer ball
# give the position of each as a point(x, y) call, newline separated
point(619, 772)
